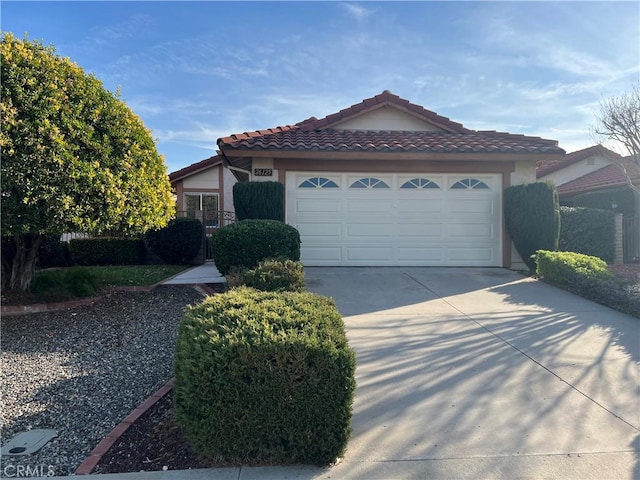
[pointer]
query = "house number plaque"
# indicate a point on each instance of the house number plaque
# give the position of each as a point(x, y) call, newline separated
point(263, 172)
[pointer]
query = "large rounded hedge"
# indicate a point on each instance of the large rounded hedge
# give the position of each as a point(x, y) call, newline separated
point(244, 244)
point(265, 376)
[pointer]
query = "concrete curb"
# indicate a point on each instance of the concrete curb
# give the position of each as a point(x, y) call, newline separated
point(94, 457)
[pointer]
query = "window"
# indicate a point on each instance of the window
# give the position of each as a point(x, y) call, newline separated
point(205, 202)
point(469, 183)
point(369, 182)
point(318, 182)
point(419, 183)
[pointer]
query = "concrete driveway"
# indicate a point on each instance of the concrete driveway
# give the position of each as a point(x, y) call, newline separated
point(485, 373)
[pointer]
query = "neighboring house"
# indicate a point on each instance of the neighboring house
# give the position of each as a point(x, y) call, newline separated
point(204, 190)
point(387, 182)
point(600, 178)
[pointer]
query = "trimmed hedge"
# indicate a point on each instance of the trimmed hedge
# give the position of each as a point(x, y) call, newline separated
point(75, 280)
point(259, 200)
point(588, 231)
point(588, 277)
point(107, 251)
point(274, 275)
point(562, 267)
point(179, 242)
point(53, 252)
point(245, 243)
point(265, 376)
point(532, 218)
point(624, 199)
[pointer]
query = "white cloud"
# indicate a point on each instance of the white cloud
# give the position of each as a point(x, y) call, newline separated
point(357, 10)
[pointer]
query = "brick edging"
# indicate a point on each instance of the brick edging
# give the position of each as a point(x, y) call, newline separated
point(94, 457)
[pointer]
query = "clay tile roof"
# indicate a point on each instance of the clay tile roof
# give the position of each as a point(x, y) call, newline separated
point(319, 135)
point(574, 157)
point(611, 176)
point(194, 168)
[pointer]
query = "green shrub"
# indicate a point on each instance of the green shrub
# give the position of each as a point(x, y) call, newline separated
point(588, 231)
point(259, 200)
point(274, 275)
point(179, 242)
point(107, 251)
point(78, 281)
point(624, 200)
point(562, 267)
point(588, 277)
point(265, 376)
point(245, 243)
point(532, 218)
point(53, 252)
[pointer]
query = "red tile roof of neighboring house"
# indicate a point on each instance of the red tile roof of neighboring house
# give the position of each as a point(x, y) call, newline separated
point(195, 168)
point(611, 176)
point(549, 167)
point(319, 135)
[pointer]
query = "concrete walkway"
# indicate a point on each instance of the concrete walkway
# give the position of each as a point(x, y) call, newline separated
point(476, 373)
point(207, 273)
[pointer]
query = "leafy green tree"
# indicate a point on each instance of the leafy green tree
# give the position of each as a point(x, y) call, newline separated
point(74, 156)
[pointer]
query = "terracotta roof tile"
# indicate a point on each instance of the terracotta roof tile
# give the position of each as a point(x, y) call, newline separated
point(574, 157)
point(195, 168)
point(319, 135)
point(332, 140)
point(611, 176)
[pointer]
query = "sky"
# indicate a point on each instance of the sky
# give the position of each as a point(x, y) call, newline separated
point(198, 71)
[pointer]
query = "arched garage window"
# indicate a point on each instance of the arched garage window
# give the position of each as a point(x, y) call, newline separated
point(318, 182)
point(369, 182)
point(419, 183)
point(469, 183)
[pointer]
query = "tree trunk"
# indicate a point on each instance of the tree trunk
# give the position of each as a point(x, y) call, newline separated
point(24, 263)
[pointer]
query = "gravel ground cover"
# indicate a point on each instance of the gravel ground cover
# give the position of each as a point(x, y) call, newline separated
point(81, 371)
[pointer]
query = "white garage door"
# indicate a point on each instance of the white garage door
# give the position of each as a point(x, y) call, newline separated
point(396, 219)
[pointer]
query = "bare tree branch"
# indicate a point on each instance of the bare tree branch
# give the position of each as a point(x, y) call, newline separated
point(618, 128)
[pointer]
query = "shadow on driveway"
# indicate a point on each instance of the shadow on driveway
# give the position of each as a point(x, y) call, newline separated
point(486, 366)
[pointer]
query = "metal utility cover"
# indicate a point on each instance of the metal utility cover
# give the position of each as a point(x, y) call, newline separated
point(26, 443)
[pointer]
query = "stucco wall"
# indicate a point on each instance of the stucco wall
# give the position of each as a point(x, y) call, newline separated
point(229, 181)
point(576, 170)
point(209, 178)
point(263, 163)
point(387, 118)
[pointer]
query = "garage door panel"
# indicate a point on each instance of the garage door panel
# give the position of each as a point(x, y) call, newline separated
point(324, 230)
point(369, 206)
point(419, 205)
point(324, 255)
point(420, 230)
point(370, 255)
point(426, 222)
point(318, 205)
point(466, 230)
point(370, 230)
point(432, 254)
point(469, 206)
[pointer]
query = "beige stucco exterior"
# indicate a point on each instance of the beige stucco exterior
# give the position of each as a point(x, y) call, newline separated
point(387, 118)
point(577, 170)
point(207, 179)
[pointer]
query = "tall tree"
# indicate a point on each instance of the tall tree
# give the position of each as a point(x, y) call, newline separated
point(74, 156)
point(618, 128)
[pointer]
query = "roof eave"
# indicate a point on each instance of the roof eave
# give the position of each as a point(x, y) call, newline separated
point(247, 154)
